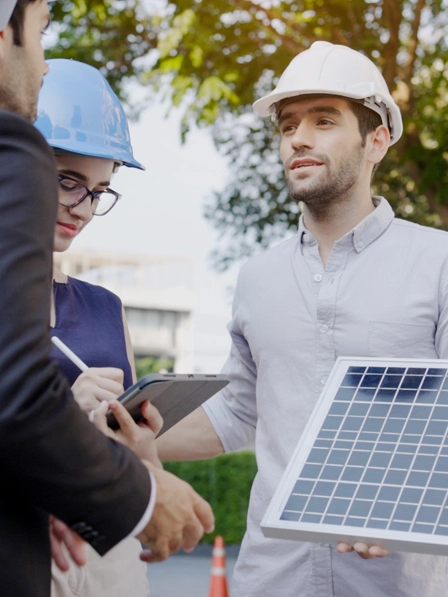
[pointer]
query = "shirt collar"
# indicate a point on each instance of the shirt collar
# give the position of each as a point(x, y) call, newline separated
point(364, 233)
point(369, 229)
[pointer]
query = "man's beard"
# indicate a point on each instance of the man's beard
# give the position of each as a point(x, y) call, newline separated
point(330, 189)
point(11, 103)
point(18, 91)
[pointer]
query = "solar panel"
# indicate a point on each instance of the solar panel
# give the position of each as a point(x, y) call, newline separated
point(372, 464)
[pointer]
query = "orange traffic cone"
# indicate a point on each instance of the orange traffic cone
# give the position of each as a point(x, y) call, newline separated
point(218, 583)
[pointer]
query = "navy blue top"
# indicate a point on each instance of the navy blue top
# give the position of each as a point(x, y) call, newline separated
point(89, 321)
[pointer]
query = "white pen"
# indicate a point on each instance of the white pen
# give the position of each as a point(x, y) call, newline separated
point(69, 353)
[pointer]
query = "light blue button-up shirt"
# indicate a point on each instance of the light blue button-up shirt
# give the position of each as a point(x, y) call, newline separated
point(383, 293)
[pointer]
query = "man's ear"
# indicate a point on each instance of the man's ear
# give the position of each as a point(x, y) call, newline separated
point(378, 144)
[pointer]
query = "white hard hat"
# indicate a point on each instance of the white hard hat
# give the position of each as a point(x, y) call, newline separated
point(329, 69)
point(6, 8)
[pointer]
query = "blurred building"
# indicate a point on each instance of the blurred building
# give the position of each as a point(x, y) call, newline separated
point(157, 296)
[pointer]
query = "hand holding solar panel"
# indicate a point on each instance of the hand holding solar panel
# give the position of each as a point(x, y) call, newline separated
point(372, 464)
point(365, 551)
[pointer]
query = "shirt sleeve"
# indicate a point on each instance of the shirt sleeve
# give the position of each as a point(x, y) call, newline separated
point(147, 515)
point(233, 411)
point(441, 339)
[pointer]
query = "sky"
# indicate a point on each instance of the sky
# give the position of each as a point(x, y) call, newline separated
point(161, 214)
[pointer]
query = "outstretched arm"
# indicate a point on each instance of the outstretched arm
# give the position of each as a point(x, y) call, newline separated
point(193, 438)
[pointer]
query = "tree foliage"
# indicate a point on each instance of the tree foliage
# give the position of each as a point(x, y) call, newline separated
point(112, 35)
point(214, 58)
point(225, 482)
point(146, 365)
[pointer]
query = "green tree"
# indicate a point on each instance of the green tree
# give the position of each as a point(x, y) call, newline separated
point(112, 35)
point(147, 365)
point(225, 482)
point(214, 58)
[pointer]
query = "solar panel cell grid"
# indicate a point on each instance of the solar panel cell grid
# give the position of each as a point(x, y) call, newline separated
point(379, 459)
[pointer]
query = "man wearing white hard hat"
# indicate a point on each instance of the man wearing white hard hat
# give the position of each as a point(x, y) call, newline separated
point(354, 281)
point(52, 459)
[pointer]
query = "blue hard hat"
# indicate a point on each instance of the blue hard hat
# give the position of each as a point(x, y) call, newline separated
point(79, 112)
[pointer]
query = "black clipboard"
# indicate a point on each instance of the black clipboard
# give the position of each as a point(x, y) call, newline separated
point(174, 395)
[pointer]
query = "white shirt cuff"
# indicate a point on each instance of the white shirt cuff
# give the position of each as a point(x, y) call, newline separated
point(149, 510)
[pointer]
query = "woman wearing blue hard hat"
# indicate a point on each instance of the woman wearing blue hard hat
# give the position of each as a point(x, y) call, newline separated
point(84, 122)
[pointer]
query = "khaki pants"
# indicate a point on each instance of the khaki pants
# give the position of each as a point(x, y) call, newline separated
point(120, 573)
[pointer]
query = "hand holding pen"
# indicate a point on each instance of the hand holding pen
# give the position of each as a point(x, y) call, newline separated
point(93, 388)
point(95, 384)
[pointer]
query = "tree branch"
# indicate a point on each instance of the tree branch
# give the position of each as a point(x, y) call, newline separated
point(392, 18)
point(413, 42)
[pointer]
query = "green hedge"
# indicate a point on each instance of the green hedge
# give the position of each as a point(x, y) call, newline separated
point(225, 483)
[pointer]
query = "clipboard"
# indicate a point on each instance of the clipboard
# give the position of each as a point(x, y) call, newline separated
point(174, 395)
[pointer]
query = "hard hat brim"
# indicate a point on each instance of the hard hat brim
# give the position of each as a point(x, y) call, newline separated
point(265, 105)
point(97, 153)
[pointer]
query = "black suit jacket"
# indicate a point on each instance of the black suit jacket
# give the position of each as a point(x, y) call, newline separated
point(52, 460)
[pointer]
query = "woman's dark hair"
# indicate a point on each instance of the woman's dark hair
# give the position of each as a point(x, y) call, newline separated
point(17, 19)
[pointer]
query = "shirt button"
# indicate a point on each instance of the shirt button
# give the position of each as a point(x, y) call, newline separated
point(323, 381)
point(360, 244)
point(324, 329)
point(305, 238)
point(317, 277)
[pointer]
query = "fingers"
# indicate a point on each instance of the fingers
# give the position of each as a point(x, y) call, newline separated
point(204, 513)
point(98, 418)
point(61, 534)
point(108, 373)
point(139, 437)
point(191, 536)
point(97, 384)
point(363, 550)
point(75, 546)
point(161, 549)
point(150, 557)
point(146, 556)
point(57, 554)
point(152, 417)
point(343, 547)
point(378, 552)
point(127, 424)
point(179, 519)
point(163, 546)
point(368, 553)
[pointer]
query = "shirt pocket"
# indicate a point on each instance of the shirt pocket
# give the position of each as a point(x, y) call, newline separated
point(401, 340)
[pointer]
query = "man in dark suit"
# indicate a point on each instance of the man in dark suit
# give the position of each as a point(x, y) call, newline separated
point(52, 459)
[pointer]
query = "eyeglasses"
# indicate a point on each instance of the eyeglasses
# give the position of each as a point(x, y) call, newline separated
point(72, 193)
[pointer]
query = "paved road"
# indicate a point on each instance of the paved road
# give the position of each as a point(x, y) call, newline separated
point(186, 575)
